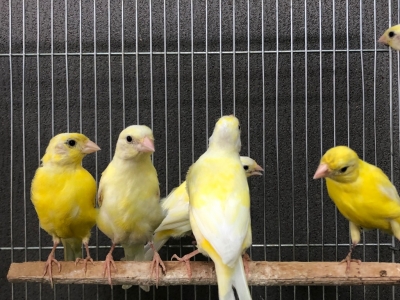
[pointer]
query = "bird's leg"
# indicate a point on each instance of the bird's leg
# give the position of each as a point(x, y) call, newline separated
point(85, 260)
point(48, 264)
point(348, 260)
point(157, 261)
point(246, 258)
point(186, 260)
point(107, 264)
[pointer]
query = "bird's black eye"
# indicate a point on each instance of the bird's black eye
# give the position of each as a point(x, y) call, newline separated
point(344, 169)
point(129, 138)
point(239, 127)
point(246, 168)
point(391, 34)
point(71, 143)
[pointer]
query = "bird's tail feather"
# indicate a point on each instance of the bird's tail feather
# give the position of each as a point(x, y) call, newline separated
point(72, 249)
point(228, 277)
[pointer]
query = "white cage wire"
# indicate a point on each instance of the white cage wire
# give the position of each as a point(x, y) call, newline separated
point(302, 76)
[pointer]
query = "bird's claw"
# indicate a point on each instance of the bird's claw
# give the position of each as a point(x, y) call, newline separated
point(85, 261)
point(107, 267)
point(156, 263)
point(186, 260)
point(348, 260)
point(48, 268)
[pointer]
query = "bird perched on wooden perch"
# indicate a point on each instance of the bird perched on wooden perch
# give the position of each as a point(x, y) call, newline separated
point(176, 223)
point(64, 193)
point(129, 197)
point(362, 193)
point(219, 207)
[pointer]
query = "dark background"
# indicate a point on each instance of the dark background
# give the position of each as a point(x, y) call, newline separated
point(301, 79)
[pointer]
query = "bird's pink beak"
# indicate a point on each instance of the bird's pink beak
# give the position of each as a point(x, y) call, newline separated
point(90, 147)
point(147, 145)
point(383, 40)
point(321, 172)
point(257, 170)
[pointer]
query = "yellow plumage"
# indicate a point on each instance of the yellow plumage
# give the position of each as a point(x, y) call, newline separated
point(176, 209)
point(362, 192)
point(219, 207)
point(63, 194)
point(129, 195)
point(391, 37)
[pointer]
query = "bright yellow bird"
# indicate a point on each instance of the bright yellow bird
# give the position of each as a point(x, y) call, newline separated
point(63, 194)
point(362, 193)
point(176, 210)
point(219, 207)
point(129, 197)
point(391, 37)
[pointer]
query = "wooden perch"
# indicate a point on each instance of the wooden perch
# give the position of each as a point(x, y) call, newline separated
point(261, 273)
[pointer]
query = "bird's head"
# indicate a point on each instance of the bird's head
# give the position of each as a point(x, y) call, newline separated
point(226, 134)
point(68, 148)
point(339, 164)
point(250, 166)
point(135, 140)
point(391, 37)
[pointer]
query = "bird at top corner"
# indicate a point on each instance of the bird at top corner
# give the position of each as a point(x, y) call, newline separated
point(176, 210)
point(64, 196)
point(391, 37)
point(219, 207)
point(129, 198)
point(362, 192)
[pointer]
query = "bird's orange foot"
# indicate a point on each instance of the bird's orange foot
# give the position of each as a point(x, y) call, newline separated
point(186, 260)
point(107, 267)
point(348, 260)
point(48, 267)
point(85, 261)
point(157, 263)
point(246, 258)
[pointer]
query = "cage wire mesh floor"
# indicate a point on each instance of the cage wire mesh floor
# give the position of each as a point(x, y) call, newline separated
point(302, 76)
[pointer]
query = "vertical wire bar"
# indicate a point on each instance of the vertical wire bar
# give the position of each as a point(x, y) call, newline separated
point(363, 117)
point(95, 119)
point(179, 103)
point(151, 69)
point(166, 117)
point(11, 137)
point(306, 133)
point(137, 61)
point(276, 132)
point(123, 64)
point(391, 121)
point(207, 133)
point(52, 69)
point(109, 76)
point(334, 117)
point(23, 137)
point(80, 66)
point(220, 56)
point(234, 56)
point(321, 129)
point(66, 62)
point(38, 120)
point(348, 91)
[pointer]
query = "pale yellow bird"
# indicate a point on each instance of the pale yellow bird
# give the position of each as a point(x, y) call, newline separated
point(362, 192)
point(176, 210)
point(391, 37)
point(219, 207)
point(64, 193)
point(129, 197)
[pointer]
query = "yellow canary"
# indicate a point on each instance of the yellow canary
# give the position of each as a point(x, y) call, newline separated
point(176, 209)
point(129, 197)
point(64, 193)
point(391, 37)
point(362, 192)
point(219, 207)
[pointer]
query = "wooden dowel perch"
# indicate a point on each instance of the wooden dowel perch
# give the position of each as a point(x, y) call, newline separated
point(261, 273)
